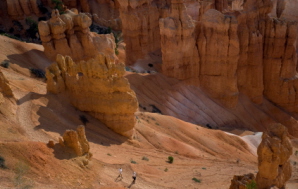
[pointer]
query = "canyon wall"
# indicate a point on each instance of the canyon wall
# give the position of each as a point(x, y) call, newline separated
point(273, 156)
point(280, 64)
point(140, 27)
point(218, 49)
point(233, 47)
point(178, 48)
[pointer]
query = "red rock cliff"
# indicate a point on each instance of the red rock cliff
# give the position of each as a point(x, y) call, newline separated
point(236, 48)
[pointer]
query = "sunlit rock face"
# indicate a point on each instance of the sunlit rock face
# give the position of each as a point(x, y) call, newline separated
point(77, 141)
point(98, 87)
point(87, 69)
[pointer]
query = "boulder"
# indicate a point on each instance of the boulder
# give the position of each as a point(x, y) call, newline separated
point(77, 141)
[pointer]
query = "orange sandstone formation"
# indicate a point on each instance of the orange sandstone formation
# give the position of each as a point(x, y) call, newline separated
point(89, 73)
point(218, 48)
point(176, 53)
point(273, 155)
point(280, 62)
point(69, 34)
point(140, 27)
point(98, 87)
point(77, 141)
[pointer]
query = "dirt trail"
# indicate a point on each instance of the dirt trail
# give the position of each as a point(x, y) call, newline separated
point(24, 116)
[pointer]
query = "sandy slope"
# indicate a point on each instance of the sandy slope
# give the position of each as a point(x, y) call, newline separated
point(33, 117)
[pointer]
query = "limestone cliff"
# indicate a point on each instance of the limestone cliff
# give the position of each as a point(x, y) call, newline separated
point(98, 87)
point(179, 51)
point(280, 63)
point(273, 156)
point(234, 46)
point(218, 47)
point(140, 27)
point(251, 39)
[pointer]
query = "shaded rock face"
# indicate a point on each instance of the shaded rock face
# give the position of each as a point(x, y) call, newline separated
point(285, 9)
point(14, 14)
point(98, 87)
point(17, 9)
point(176, 53)
point(273, 156)
point(240, 182)
point(140, 26)
point(5, 90)
point(4, 86)
point(104, 12)
point(105, 9)
point(76, 140)
point(212, 58)
point(83, 4)
point(280, 62)
point(69, 34)
point(234, 46)
point(142, 29)
point(218, 49)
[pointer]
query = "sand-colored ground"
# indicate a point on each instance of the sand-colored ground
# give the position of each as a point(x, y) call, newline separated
point(32, 117)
